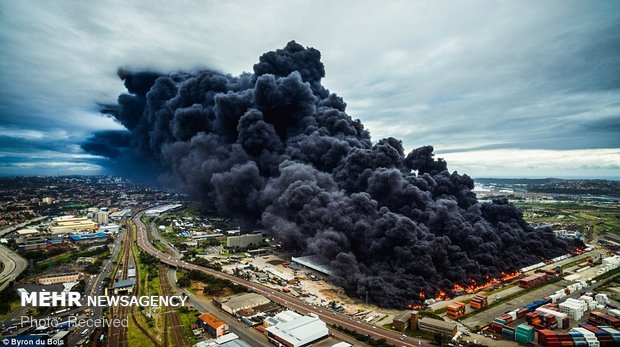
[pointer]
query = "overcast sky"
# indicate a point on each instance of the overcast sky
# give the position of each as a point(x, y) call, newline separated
point(511, 89)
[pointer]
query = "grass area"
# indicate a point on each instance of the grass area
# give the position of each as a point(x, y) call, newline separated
point(136, 337)
point(12, 306)
point(607, 275)
point(65, 258)
point(574, 263)
point(499, 290)
point(188, 317)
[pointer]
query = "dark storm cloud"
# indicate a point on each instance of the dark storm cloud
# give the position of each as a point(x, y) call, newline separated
point(463, 75)
point(277, 150)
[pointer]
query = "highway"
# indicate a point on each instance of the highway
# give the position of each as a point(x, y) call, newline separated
point(12, 263)
point(12, 266)
point(279, 297)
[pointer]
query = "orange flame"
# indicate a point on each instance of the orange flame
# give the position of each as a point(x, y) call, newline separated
point(441, 296)
point(473, 286)
point(421, 295)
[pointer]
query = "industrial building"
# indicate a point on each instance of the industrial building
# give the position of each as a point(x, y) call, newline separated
point(157, 211)
point(313, 263)
point(236, 303)
point(301, 331)
point(213, 325)
point(282, 317)
point(60, 278)
point(401, 321)
point(110, 228)
point(94, 237)
point(69, 224)
point(244, 241)
point(27, 231)
point(432, 325)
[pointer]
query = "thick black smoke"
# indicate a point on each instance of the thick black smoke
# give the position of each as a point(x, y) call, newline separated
point(277, 150)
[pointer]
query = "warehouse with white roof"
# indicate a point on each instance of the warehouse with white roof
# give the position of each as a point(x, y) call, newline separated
point(299, 332)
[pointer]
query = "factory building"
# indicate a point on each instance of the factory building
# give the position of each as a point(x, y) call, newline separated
point(60, 278)
point(213, 325)
point(401, 321)
point(433, 326)
point(244, 241)
point(312, 262)
point(236, 303)
point(157, 211)
point(69, 224)
point(301, 331)
point(94, 237)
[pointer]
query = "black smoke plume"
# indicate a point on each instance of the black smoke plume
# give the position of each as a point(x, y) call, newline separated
point(277, 150)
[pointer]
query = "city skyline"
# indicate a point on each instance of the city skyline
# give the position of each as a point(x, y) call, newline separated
point(511, 90)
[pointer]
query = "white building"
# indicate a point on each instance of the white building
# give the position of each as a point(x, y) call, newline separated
point(102, 217)
point(299, 332)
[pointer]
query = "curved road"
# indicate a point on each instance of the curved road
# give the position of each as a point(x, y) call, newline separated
point(12, 266)
point(279, 297)
point(12, 263)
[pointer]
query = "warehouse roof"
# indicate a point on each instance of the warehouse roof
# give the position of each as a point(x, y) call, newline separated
point(239, 302)
point(300, 331)
point(437, 323)
point(211, 320)
point(92, 236)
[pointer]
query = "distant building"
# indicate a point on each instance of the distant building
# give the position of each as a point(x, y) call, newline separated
point(213, 325)
point(157, 211)
point(236, 303)
point(244, 241)
point(312, 262)
point(110, 228)
point(433, 326)
point(27, 231)
point(69, 224)
point(102, 217)
point(59, 278)
point(94, 237)
point(299, 332)
point(86, 260)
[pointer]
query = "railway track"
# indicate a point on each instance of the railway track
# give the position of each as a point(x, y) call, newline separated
point(173, 322)
point(118, 336)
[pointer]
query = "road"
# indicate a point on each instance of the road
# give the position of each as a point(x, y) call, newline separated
point(279, 297)
point(12, 266)
point(20, 225)
point(12, 263)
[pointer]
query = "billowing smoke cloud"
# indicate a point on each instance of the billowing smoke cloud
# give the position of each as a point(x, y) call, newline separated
point(277, 150)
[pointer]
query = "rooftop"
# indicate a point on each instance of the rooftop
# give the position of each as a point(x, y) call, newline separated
point(211, 320)
point(124, 283)
point(301, 330)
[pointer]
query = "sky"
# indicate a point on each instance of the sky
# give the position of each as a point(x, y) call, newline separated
point(499, 88)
